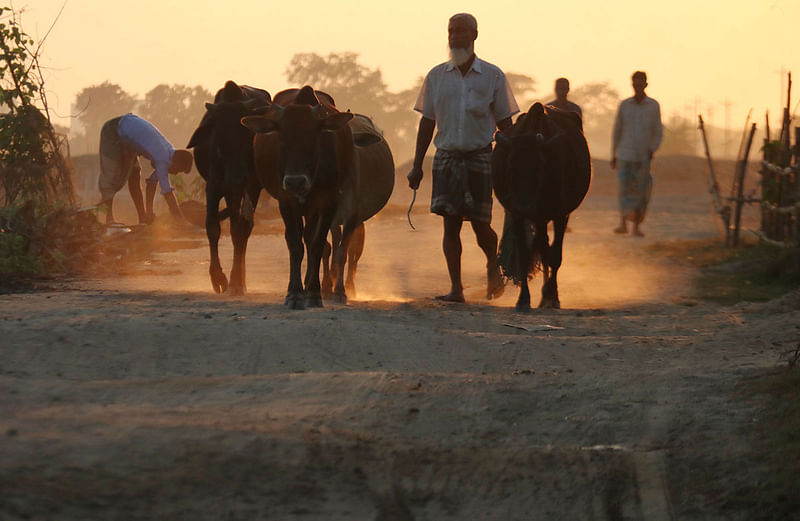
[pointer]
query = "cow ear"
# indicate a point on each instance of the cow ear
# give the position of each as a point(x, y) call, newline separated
point(336, 121)
point(365, 139)
point(200, 134)
point(260, 124)
point(210, 106)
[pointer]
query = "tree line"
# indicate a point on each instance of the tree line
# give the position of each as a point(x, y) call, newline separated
point(177, 109)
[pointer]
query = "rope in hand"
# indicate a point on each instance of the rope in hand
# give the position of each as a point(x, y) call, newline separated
point(408, 214)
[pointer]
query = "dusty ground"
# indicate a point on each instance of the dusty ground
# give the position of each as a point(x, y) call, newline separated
point(149, 397)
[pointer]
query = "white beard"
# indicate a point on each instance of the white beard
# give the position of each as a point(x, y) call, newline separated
point(459, 57)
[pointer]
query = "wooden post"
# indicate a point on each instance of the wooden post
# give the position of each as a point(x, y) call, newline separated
point(739, 182)
point(713, 188)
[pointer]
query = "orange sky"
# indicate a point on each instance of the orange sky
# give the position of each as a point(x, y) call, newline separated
point(693, 50)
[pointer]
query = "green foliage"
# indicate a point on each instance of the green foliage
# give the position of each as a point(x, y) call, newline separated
point(188, 187)
point(19, 85)
point(754, 272)
point(38, 238)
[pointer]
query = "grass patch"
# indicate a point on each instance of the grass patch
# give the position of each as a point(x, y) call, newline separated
point(754, 272)
point(779, 441)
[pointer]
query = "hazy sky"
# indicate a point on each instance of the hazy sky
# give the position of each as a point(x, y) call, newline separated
point(704, 50)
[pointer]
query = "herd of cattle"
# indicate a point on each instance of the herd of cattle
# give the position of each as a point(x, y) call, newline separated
point(330, 171)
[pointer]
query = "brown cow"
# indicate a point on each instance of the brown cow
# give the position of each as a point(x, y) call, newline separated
point(305, 157)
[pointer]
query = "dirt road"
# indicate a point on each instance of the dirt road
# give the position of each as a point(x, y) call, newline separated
point(149, 397)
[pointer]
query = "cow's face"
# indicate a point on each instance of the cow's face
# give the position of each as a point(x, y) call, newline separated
point(307, 141)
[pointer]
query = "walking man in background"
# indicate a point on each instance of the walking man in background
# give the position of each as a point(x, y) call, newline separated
point(122, 141)
point(467, 98)
point(561, 101)
point(637, 135)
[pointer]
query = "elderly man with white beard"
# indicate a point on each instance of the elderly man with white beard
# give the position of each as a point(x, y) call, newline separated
point(467, 99)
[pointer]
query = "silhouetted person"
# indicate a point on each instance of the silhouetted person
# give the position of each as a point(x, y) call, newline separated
point(561, 101)
point(467, 98)
point(122, 140)
point(637, 135)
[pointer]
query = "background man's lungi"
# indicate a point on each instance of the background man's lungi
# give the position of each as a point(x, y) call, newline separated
point(635, 187)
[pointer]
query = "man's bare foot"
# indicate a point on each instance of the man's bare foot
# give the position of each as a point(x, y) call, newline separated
point(451, 297)
point(496, 285)
point(621, 230)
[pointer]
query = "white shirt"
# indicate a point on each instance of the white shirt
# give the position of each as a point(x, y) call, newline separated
point(466, 108)
point(637, 129)
point(147, 141)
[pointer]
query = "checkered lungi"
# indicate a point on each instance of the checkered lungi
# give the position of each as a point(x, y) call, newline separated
point(117, 161)
point(462, 184)
point(635, 187)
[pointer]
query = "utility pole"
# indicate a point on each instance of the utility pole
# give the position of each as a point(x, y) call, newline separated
point(727, 104)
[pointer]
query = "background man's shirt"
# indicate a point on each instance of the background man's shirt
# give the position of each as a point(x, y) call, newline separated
point(147, 141)
point(637, 129)
point(466, 108)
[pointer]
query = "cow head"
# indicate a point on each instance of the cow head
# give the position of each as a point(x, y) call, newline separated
point(223, 143)
point(527, 158)
point(309, 137)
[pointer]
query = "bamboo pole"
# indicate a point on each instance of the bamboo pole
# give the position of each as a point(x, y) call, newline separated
point(739, 182)
point(724, 211)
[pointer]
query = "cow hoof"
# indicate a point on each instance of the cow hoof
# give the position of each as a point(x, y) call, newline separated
point(236, 291)
point(522, 307)
point(339, 298)
point(219, 282)
point(295, 301)
point(549, 304)
point(314, 301)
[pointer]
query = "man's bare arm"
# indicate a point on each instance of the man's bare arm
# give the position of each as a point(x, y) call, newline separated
point(424, 137)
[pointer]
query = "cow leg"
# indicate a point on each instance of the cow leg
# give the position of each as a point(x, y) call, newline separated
point(218, 280)
point(339, 294)
point(521, 232)
point(293, 222)
point(336, 245)
point(328, 268)
point(315, 242)
point(326, 287)
point(354, 251)
point(553, 263)
point(241, 215)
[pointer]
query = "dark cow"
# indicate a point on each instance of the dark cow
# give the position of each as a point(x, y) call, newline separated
point(223, 153)
point(541, 172)
point(307, 157)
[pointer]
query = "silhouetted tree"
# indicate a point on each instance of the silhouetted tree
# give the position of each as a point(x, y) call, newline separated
point(175, 110)
point(97, 104)
point(599, 102)
point(524, 88)
point(362, 90)
point(679, 137)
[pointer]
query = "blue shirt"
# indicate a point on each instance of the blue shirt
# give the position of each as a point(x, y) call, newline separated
point(147, 141)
